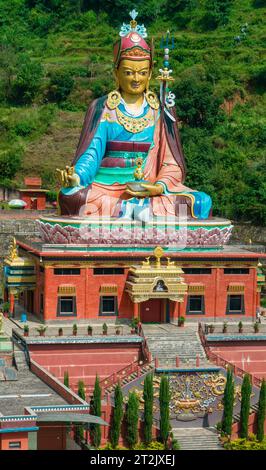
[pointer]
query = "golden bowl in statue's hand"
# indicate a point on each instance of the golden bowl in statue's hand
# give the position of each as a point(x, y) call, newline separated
point(136, 186)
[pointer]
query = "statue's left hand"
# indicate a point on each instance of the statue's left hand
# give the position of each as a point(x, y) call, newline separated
point(67, 177)
point(151, 190)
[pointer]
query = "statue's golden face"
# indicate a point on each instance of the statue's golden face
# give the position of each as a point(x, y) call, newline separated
point(133, 76)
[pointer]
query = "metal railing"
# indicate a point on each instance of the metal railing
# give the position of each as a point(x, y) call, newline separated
point(22, 344)
point(220, 361)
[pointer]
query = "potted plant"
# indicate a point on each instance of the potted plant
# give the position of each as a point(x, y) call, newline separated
point(60, 332)
point(26, 330)
point(211, 328)
point(117, 330)
point(89, 329)
point(74, 329)
point(105, 329)
point(225, 324)
point(256, 327)
point(42, 330)
point(6, 308)
point(240, 327)
point(181, 321)
point(134, 325)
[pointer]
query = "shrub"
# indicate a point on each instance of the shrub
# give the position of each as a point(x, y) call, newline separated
point(153, 445)
point(196, 104)
point(10, 162)
point(61, 85)
point(51, 196)
point(24, 128)
point(27, 80)
point(100, 87)
point(175, 444)
point(245, 444)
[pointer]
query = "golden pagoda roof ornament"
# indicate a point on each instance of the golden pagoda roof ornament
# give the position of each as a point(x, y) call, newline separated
point(158, 253)
point(13, 250)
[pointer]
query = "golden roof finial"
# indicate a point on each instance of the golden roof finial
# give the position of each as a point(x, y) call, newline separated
point(158, 253)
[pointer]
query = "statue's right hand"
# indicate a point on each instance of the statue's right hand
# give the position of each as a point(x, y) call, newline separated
point(67, 177)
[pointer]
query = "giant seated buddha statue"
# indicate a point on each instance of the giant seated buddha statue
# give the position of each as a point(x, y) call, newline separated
point(129, 161)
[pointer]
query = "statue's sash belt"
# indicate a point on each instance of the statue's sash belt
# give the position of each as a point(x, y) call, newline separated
point(121, 146)
point(115, 159)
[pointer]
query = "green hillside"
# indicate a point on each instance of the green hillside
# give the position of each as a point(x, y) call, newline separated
point(56, 56)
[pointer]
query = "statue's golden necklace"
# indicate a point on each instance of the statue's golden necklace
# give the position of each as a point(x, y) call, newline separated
point(133, 124)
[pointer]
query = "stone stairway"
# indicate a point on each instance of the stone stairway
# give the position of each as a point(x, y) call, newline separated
point(168, 341)
point(20, 359)
point(253, 409)
point(143, 371)
point(197, 438)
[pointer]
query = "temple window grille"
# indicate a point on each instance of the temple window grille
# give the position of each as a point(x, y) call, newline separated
point(195, 305)
point(67, 271)
point(66, 306)
point(235, 304)
point(197, 270)
point(236, 271)
point(108, 305)
point(108, 271)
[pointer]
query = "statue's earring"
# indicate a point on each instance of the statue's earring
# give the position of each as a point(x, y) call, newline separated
point(113, 99)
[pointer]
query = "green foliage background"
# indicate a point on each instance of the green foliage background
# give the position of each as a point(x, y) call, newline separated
point(56, 56)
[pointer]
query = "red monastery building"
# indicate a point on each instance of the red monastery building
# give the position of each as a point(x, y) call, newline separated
point(66, 283)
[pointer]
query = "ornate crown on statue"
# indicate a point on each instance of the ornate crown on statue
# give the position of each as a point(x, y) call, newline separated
point(132, 44)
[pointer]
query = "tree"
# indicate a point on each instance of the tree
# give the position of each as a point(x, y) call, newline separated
point(61, 85)
point(10, 162)
point(26, 81)
point(217, 13)
point(164, 399)
point(261, 412)
point(245, 406)
point(228, 404)
point(117, 416)
point(81, 390)
point(148, 408)
point(96, 410)
point(66, 379)
point(132, 418)
point(196, 103)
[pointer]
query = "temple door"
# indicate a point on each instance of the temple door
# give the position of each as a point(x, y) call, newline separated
point(152, 311)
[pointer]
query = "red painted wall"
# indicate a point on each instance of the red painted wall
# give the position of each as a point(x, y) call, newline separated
point(41, 199)
point(252, 427)
point(235, 352)
point(88, 293)
point(84, 361)
point(5, 439)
